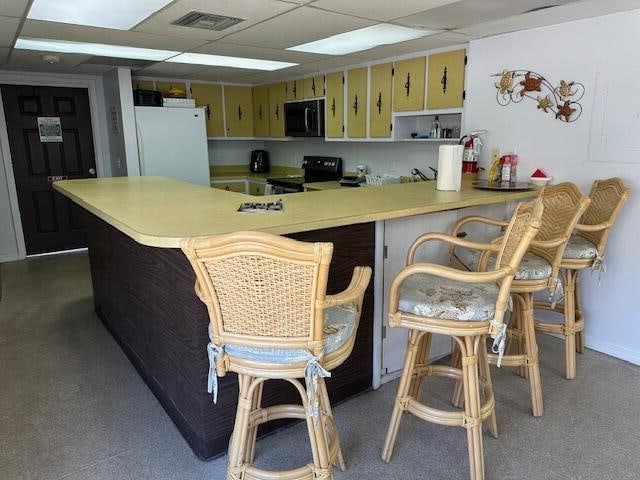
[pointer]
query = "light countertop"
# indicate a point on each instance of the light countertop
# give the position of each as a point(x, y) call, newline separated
point(159, 212)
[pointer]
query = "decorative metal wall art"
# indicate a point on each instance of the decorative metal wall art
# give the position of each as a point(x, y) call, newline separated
point(562, 100)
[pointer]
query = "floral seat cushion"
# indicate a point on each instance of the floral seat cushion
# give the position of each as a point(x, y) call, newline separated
point(532, 267)
point(436, 297)
point(580, 247)
point(339, 323)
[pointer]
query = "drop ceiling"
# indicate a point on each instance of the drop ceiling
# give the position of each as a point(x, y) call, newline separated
point(270, 26)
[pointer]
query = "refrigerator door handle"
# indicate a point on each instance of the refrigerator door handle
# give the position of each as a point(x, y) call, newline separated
point(140, 149)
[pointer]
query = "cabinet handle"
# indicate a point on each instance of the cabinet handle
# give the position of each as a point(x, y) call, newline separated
point(333, 106)
point(239, 113)
point(295, 90)
point(407, 84)
point(379, 103)
point(277, 112)
point(355, 106)
point(443, 80)
point(260, 112)
point(313, 86)
point(208, 112)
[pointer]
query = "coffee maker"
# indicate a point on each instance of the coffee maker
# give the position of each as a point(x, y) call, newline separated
point(259, 161)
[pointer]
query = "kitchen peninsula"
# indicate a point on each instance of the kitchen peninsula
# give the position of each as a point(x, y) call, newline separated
point(143, 285)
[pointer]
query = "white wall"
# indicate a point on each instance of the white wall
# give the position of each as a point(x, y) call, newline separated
point(580, 51)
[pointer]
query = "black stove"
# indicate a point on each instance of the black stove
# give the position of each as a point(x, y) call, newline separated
point(316, 169)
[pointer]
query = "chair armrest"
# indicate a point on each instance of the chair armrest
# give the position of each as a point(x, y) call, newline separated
point(200, 293)
point(477, 218)
point(581, 227)
point(443, 237)
point(354, 293)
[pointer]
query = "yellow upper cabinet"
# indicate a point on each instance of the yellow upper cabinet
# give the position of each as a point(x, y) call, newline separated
point(357, 103)
point(209, 97)
point(408, 84)
point(238, 107)
point(141, 84)
point(313, 86)
point(334, 105)
point(261, 111)
point(445, 86)
point(295, 90)
point(277, 97)
point(380, 100)
point(165, 86)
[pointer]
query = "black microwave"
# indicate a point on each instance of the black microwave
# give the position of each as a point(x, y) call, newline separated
point(304, 119)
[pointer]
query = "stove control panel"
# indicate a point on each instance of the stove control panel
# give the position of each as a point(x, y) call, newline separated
point(322, 164)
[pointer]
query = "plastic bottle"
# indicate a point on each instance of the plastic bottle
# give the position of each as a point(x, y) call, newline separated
point(435, 128)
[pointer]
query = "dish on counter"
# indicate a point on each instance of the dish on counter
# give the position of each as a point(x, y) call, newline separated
point(486, 185)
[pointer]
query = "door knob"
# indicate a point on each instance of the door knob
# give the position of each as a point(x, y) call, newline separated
point(92, 171)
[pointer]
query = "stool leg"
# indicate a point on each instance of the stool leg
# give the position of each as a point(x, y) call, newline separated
point(458, 392)
point(473, 424)
point(531, 348)
point(415, 389)
point(317, 436)
point(401, 396)
point(578, 312)
point(485, 373)
point(518, 330)
point(340, 463)
point(253, 433)
point(238, 444)
point(569, 324)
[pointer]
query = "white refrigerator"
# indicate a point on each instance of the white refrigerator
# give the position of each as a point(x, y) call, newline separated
point(172, 142)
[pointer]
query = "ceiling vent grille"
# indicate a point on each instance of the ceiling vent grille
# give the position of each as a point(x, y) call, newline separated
point(207, 21)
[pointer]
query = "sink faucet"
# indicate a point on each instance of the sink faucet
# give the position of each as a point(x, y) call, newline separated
point(417, 172)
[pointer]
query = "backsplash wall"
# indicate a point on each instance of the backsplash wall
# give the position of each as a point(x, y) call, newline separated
point(381, 157)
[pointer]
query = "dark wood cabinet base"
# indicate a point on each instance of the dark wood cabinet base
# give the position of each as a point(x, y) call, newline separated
point(145, 298)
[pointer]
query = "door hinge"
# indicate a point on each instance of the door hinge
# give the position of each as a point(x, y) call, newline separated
point(384, 332)
point(385, 252)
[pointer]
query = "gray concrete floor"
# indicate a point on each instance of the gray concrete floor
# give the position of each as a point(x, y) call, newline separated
point(72, 407)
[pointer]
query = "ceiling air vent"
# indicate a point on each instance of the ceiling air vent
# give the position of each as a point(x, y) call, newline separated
point(207, 21)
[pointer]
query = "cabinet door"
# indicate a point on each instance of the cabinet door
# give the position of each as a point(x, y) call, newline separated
point(445, 85)
point(261, 111)
point(256, 188)
point(295, 90)
point(277, 97)
point(380, 100)
point(408, 84)
point(238, 111)
point(209, 97)
point(165, 86)
point(335, 105)
point(357, 103)
point(141, 84)
point(231, 186)
point(313, 86)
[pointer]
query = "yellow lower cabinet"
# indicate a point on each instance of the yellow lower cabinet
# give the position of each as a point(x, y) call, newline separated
point(256, 188)
point(261, 111)
point(141, 84)
point(295, 90)
point(334, 105)
point(445, 87)
point(408, 84)
point(231, 186)
point(313, 86)
point(357, 103)
point(380, 100)
point(277, 97)
point(238, 107)
point(209, 97)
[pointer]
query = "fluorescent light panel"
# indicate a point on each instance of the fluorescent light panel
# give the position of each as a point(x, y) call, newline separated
point(232, 62)
point(97, 49)
point(362, 39)
point(116, 14)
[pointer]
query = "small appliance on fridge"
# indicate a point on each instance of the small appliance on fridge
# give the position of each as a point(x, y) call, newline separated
point(172, 142)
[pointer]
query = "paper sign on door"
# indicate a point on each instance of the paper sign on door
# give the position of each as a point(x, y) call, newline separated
point(50, 129)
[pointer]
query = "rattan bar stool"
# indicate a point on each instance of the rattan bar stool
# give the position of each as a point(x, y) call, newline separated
point(270, 318)
point(538, 271)
point(584, 250)
point(427, 298)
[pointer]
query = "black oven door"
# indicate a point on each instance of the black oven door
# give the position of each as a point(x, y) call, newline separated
point(304, 119)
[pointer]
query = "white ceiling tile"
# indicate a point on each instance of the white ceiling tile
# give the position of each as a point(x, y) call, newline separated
point(440, 40)
point(90, 69)
point(382, 10)
point(79, 33)
point(13, 8)
point(8, 29)
point(222, 74)
point(469, 12)
point(24, 59)
point(551, 16)
point(164, 69)
point(253, 11)
point(247, 51)
point(298, 26)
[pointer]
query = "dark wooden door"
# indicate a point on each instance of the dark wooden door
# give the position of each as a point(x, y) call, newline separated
point(50, 221)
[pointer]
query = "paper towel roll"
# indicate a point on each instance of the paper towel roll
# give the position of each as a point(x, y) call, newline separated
point(450, 167)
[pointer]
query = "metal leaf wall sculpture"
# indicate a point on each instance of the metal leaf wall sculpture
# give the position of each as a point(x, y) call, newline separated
point(562, 100)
